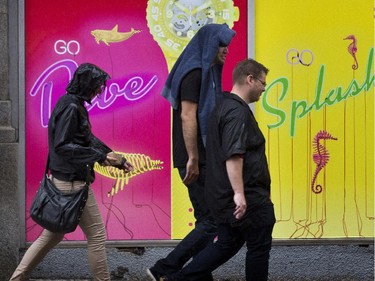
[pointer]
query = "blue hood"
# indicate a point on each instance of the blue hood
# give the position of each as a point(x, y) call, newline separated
point(200, 53)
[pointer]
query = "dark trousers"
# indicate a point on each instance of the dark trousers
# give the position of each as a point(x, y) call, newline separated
point(230, 240)
point(202, 235)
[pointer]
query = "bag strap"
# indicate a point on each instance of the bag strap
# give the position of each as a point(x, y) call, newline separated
point(88, 175)
point(47, 165)
point(87, 168)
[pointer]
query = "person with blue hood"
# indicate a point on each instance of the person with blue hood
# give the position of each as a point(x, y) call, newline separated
point(238, 182)
point(193, 87)
point(72, 148)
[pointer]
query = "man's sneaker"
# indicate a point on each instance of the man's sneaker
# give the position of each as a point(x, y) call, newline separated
point(153, 275)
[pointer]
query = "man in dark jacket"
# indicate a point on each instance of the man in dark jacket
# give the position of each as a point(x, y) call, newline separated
point(237, 182)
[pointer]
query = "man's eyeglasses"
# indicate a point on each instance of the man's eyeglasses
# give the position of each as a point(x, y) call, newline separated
point(262, 82)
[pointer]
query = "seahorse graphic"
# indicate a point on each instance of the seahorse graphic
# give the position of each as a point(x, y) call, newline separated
point(320, 157)
point(141, 164)
point(352, 49)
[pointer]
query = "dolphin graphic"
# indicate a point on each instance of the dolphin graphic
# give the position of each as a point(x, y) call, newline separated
point(112, 36)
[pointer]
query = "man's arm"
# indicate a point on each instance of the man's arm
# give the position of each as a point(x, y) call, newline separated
point(234, 167)
point(190, 133)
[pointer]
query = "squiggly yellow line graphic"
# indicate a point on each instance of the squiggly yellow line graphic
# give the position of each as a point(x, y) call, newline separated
point(141, 164)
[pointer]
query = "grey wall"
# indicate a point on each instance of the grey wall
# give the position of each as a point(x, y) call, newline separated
point(9, 209)
point(314, 262)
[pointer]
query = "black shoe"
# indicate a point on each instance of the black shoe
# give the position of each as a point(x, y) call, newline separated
point(155, 276)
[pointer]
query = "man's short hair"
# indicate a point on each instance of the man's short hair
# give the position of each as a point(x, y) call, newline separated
point(247, 67)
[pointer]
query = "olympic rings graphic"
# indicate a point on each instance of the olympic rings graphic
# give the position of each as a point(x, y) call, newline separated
point(293, 56)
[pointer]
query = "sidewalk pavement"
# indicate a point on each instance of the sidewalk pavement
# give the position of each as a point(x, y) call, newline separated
point(287, 263)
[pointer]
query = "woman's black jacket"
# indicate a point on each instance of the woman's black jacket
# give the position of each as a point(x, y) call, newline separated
point(72, 146)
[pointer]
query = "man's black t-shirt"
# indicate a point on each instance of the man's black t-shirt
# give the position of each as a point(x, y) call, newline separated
point(189, 91)
point(233, 130)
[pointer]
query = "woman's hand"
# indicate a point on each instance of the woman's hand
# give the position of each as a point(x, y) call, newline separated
point(117, 160)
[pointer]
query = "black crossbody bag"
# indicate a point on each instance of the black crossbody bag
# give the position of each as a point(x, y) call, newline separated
point(55, 210)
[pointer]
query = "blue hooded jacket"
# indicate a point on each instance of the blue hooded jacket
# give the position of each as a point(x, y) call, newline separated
point(200, 53)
